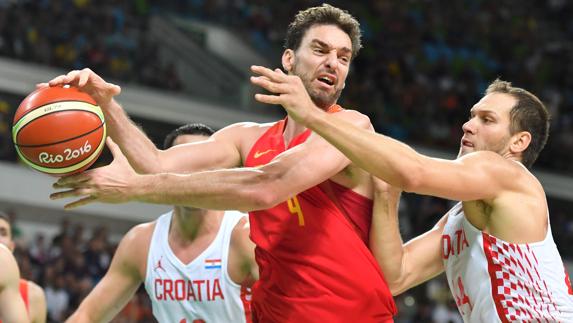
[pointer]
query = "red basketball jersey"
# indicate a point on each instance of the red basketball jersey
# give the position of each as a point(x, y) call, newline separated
point(312, 251)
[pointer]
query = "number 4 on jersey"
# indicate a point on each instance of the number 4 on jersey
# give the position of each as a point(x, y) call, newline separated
point(294, 208)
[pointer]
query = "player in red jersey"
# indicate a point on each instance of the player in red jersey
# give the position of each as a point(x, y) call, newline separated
point(12, 308)
point(310, 207)
point(32, 294)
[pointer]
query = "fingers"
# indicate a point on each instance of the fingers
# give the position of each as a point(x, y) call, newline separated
point(78, 203)
point(76, 192)
point(268, 99)
point(113, 147)
point(83, 78)
point(267, 84)
point(270, 74)
point(41, 85)
point(72, 181)
point(65, 79)
point(116, 151)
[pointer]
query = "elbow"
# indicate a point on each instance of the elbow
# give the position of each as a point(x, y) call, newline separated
point(261, 200)
point(261, 192)
point(411, 177)
point(395, 288)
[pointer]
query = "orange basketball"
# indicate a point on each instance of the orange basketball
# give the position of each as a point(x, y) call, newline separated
point(59, 130)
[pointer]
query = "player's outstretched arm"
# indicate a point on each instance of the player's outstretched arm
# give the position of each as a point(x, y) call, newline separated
point(120, 282)
point(12, 308)
point(404, 266)
point(137, 147)
point(38, 309)
point(389, 159)
point(245, 189)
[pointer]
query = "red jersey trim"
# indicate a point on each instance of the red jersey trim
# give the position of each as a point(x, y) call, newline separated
point(24, 293)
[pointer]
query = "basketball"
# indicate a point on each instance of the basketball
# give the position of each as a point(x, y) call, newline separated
point(59, 130)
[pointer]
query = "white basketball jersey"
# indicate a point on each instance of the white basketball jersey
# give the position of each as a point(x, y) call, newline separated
point(496, 281)
point(200, 291)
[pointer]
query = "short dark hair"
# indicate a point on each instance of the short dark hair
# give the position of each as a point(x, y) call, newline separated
point(528, 114)
point(323, 15)
point(4, 216)
point(188, 129)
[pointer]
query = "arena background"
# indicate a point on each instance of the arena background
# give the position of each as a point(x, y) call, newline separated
point(423, 65)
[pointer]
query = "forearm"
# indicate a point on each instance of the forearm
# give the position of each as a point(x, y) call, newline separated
point(232, 189)
point(385, 239)
point(139, 150)
point(382, 156)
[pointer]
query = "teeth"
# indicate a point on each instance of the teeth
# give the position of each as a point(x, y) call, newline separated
point(326, 80)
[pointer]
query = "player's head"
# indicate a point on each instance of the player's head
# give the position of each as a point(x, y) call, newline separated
point(6, 231)
point(192, 132)
point(319, 46)
point(189, 133)
point(508, 120)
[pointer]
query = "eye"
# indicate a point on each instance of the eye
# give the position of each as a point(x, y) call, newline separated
point(345, 59)
point(319, 50)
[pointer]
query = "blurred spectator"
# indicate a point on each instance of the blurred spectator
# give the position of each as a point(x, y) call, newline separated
point(57, 298)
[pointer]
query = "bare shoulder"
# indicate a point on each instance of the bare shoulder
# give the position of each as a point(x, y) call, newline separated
point(244, 128)
point(10, 272)
point(243, 134)
point(134, 247)
point(509, 174)
point(36, 292)
point(358, 119)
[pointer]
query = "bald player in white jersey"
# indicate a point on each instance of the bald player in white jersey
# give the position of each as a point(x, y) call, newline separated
point(196, 265)
point(12, 308)
point(496, 245)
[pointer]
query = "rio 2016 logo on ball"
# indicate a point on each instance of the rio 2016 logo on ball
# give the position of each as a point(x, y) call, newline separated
point(59, 130)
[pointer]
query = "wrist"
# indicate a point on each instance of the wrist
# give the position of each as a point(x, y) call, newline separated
point(313, 116)
point(138, 187)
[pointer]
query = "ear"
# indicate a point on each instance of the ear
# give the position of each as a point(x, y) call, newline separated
point(288, 60)
point(519, 142)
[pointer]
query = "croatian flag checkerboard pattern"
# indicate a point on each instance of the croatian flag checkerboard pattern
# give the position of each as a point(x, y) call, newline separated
point(519, 292)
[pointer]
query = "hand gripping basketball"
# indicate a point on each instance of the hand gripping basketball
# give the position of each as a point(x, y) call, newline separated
point(114, 183)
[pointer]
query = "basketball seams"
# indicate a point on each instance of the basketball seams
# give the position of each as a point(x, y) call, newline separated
point(61, 141)
point(71, 168)
point(38, 113)
point(54, 102)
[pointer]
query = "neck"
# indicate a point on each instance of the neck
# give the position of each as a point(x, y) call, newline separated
point(188, 223)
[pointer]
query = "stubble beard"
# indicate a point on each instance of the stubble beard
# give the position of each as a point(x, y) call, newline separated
point(319, 98)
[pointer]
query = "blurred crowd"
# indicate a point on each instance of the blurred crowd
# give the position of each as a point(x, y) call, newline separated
point(68, 265)
point(107, 36)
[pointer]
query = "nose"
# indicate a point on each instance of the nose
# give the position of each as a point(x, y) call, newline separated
point(331, 60)
point(468, 126)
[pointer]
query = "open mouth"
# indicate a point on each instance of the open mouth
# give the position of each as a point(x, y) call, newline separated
point(467, 143)
point(326, 80)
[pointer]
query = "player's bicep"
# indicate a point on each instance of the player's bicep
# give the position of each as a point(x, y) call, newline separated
point(477, 176)
point(109, 296)
point(221, 150)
